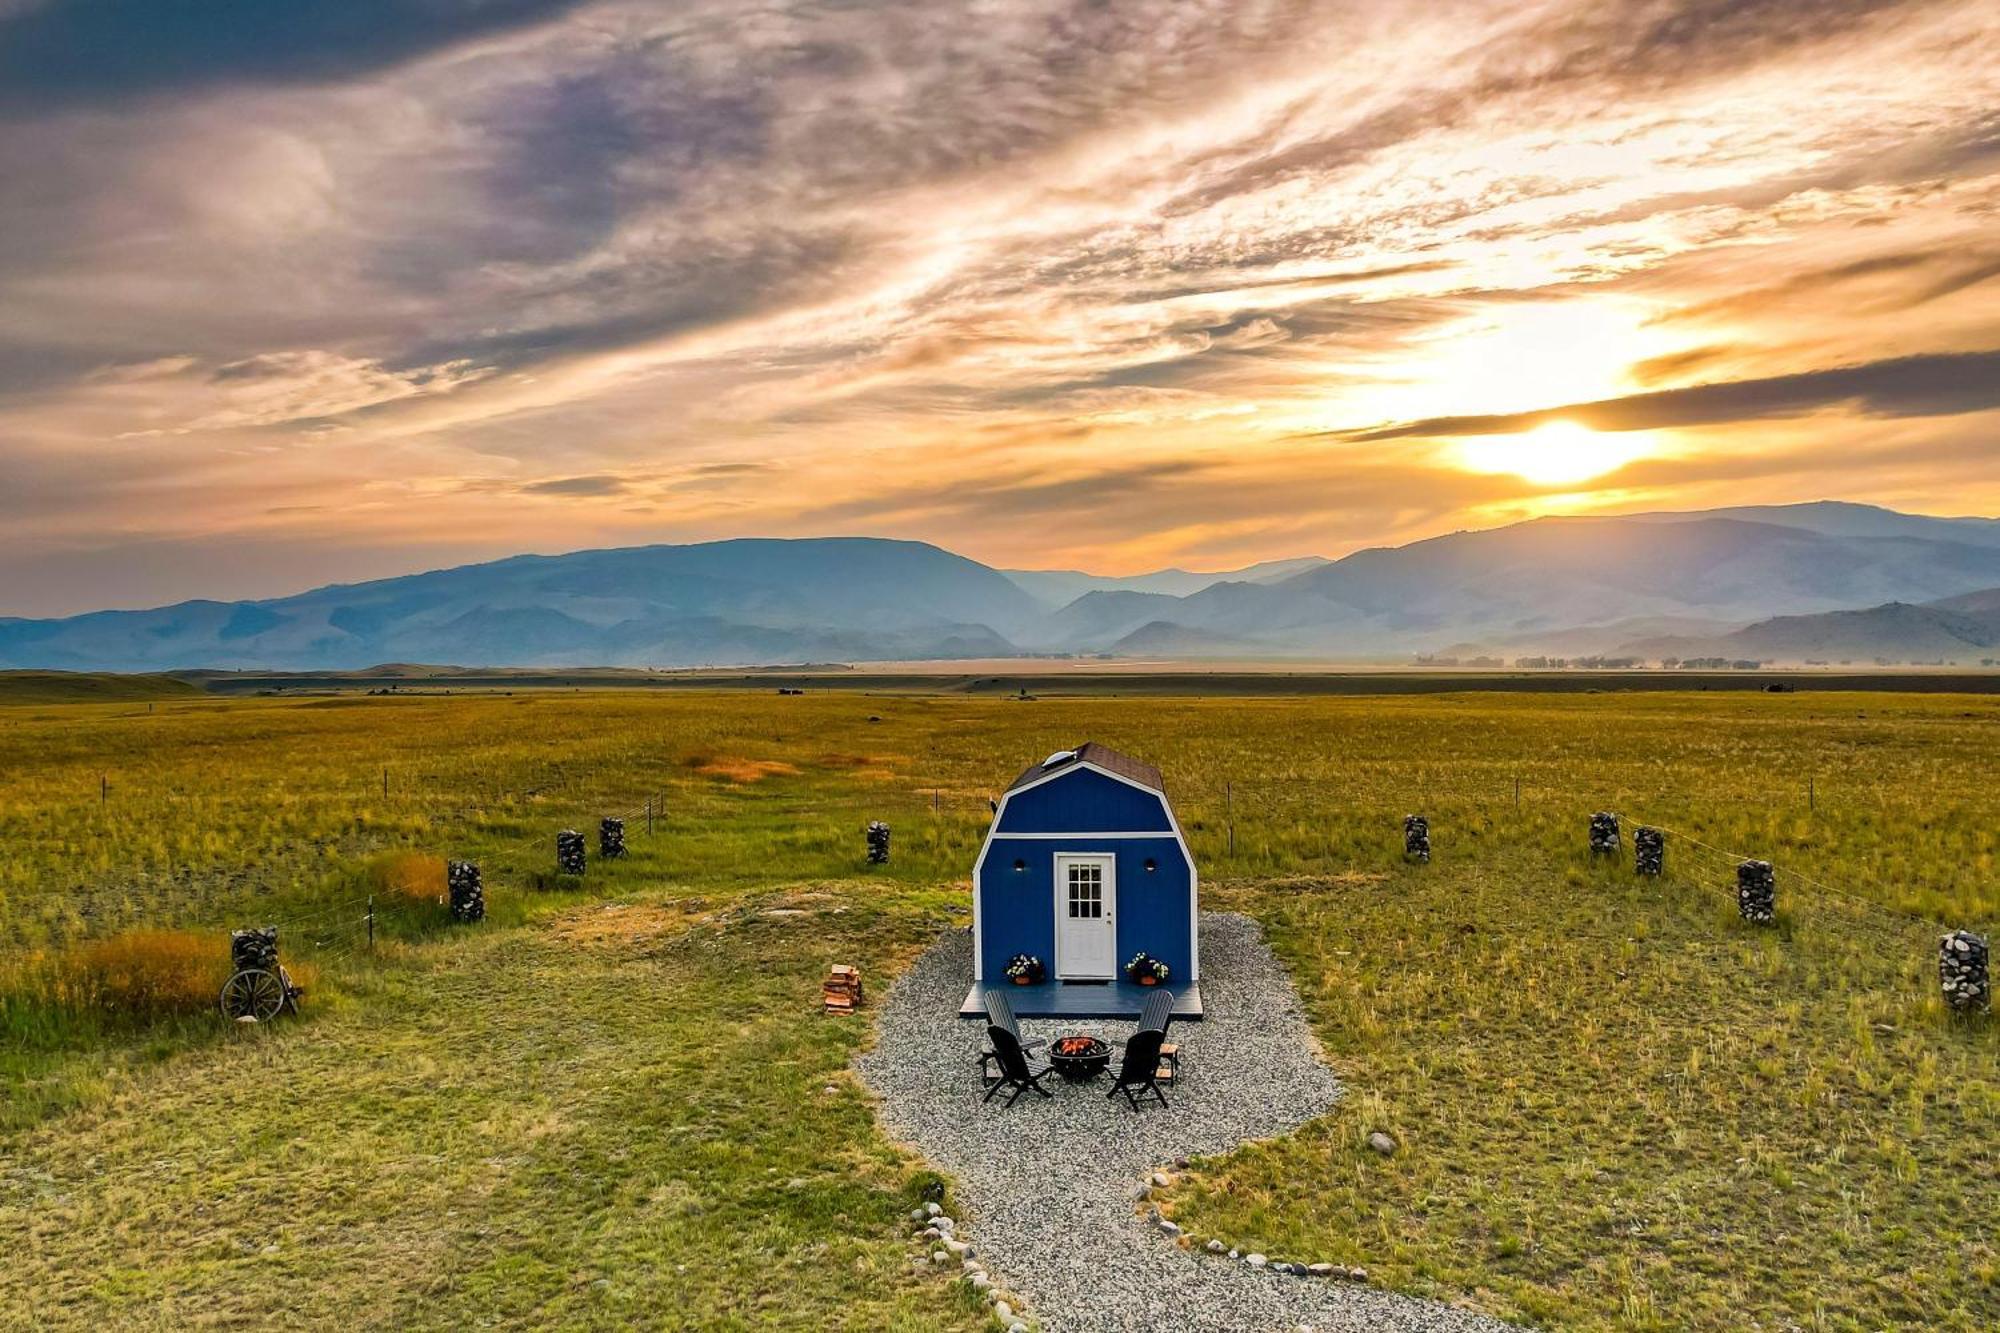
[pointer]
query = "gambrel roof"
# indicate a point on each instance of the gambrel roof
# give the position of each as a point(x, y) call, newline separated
point(1099, 756)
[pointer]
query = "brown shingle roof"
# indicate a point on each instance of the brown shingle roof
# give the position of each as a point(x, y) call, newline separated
point(1090, 752)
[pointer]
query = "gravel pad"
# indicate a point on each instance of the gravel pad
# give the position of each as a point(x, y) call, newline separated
point(1048, 1187)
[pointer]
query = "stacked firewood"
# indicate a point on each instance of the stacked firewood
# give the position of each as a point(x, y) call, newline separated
point(1962, 963)
point(569, 852)
point(1604, 833)
point(878, 843)
point(1757, 892)
point(841, 991)
point(255, 947)
point(468, 896)
point(610, 838)
point(1417, 838)
point(1649, 851)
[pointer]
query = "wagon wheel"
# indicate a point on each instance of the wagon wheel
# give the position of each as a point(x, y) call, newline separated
point(253, 993)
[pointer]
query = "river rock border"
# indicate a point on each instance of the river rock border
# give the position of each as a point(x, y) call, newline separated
point(938, 1233)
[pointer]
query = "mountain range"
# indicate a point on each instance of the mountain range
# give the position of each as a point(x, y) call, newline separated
point(1822, 581)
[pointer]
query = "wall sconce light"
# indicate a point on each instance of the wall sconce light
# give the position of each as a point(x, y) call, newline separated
point(1151, 865)
point(1019, 865)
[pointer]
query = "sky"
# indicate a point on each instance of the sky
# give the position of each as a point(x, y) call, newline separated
point(298, 294)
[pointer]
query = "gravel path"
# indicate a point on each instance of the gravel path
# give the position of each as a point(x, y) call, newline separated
point(1047, 1188)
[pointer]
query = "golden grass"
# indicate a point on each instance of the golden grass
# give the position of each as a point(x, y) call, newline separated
point(415, 877)
point(1621, 1109)
point(138, 974)
point(619, 925)
point(740, 770)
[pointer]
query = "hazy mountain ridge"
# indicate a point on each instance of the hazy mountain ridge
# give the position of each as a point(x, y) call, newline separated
point(750, 600)
point(1550, 578)
point(1893, 632)
point(1060, 587)
point(1725, 583)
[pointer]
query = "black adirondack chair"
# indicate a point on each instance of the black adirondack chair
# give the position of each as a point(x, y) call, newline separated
point(1158, 1014)
point(1139, 1069)
point(1015, 1071)
point(1000, 1014)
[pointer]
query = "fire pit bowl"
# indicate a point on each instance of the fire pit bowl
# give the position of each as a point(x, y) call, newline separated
point(1079, 1057)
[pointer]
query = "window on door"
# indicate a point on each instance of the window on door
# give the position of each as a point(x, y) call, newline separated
point(1086, 891)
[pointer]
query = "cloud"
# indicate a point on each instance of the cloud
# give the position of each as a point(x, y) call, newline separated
point(951, 268)
point(61, 52)
point(579, 486)
point(1893, 281)
point(1911, 386)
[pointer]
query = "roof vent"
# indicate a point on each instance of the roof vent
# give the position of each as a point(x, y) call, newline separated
point(1059, 757)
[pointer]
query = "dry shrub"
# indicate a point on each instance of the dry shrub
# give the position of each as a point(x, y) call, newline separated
point(139, 974)
point(742, 770)
point(411, 876)
point(617, 925)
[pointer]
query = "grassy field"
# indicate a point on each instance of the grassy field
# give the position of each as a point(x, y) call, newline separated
point(1619, 1108)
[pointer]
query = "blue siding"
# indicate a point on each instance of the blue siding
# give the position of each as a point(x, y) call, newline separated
point(1017, 912)
point(1083, 801)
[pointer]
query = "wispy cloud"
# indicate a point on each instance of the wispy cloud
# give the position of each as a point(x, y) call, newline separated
point(1169, 276)
point(1914, 386)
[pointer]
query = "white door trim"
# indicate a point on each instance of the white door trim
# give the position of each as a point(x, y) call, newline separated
point(1063, 861)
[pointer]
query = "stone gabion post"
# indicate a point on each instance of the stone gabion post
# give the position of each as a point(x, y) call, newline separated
point(1604, 833)
point(878, 843)
point(468, 896)
point(256, 946)
point(569, 852)
point(611, 838)
point(1962, 964)
point(1649, 851)
point(1417, 838)
point(1757, 892)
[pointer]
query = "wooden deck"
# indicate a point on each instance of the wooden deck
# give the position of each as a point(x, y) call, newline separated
point(1075, 999)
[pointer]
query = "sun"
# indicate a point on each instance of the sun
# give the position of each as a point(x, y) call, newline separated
point(1556, 453)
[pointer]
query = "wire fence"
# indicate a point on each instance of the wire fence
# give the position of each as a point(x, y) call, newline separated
point(1270, 824)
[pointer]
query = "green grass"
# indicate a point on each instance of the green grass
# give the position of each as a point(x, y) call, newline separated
point(1620, 1108)
point(65, 687)
point(627, 1116)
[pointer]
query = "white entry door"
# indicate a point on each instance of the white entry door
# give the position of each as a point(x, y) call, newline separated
point(1086, 905)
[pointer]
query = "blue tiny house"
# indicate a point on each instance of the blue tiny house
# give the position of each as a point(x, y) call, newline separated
point(1084, 867)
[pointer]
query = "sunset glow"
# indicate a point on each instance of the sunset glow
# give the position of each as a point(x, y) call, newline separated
point(1560, 453)
point(1113, 284)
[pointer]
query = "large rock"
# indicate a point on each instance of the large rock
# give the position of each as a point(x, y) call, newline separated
point(1417, 838)
point(468, 897)
point(569, 852)
point(254, 947)
point(1962, 971)
point(1757, 892)
point(1604, 833)
point(1649, 851)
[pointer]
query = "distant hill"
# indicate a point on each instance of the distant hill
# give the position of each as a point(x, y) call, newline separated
point(1059, 587)
point(1097, 620)
point(1164, 638)
point(1553, 576)
point(1893, 632)
point(1740, 583)
point(1984, 602)
point(729, 602)
point(1842, 518)
point(70, 687)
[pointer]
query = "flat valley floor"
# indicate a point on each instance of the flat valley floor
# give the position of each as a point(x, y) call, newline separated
point(615, 1100)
